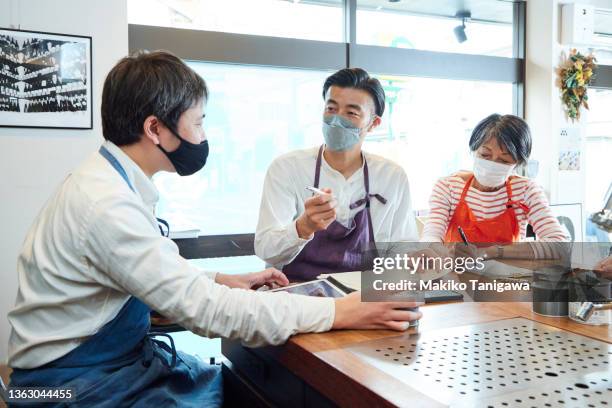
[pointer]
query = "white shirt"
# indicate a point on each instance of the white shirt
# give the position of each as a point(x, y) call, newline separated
point(284, 192)
point(96, 242)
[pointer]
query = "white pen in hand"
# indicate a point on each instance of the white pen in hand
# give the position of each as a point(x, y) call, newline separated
point(317, 191)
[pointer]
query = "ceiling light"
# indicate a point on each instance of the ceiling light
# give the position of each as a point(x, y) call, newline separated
point(460, 30)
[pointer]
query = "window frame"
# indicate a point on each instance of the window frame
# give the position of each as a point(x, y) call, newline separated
point(246, 49)
point(602, 80)
point(603, 77)
point(266, 51)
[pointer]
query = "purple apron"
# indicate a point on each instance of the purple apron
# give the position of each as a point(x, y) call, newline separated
point(338, 248)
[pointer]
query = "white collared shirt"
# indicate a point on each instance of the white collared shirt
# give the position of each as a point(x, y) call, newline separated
point(284, 193)
point(96, 242)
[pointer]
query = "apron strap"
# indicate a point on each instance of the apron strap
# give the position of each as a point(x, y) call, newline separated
point(150, 352)
point(149, 349)
point(366, 182)
point(509, 189)
point(164, 227)
point(511, 203)
point(116, 165)
point(366, 200)
point(468, 183)
point(318, 167)
point(366, 177)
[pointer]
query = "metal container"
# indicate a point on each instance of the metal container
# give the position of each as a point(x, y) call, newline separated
point(550, 291)
point(590, 287)
point(598, 318)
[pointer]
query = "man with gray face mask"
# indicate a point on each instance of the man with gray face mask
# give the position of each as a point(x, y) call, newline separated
point(359, 198)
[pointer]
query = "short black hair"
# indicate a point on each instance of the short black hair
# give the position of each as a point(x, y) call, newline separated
point(143, 84)
point(510, 132)
point(359, 79)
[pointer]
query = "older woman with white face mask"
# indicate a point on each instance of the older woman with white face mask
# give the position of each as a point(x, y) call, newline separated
point(491, 204)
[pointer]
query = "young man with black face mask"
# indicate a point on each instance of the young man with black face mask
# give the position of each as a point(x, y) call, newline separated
point(94, 264)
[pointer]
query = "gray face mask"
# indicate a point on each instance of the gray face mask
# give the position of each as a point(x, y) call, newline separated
point(339, 133)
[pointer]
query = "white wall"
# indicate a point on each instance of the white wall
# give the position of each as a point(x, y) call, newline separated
point(34, 161)
point(541, 103)
point(543, 109)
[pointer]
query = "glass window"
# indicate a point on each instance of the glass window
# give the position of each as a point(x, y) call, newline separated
point(427, 125)
point(603, 50)
point(310, 20)
point(602, 47)
point(254, 114)
point(598, 171)
point(433, 25)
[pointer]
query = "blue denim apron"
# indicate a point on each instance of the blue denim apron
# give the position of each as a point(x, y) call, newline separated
point(124, 365)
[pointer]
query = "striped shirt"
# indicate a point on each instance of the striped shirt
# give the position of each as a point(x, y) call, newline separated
point(485, 205)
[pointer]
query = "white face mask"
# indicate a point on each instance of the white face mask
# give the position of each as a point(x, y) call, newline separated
point(490, 173)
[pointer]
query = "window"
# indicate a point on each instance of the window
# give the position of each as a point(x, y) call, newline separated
point(603, 50)
point(427, 125)
point(430, 25)
point(603, 36)
point(598, 171)
point(258, 110)
point(309, 20)
point(254, 115)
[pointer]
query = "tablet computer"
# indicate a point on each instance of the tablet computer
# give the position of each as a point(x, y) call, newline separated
point(319, 288)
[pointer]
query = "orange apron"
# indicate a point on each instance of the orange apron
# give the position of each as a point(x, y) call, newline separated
point(501, 229)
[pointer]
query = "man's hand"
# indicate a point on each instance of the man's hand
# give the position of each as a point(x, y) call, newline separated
point(270, 277)
point(352, 313)
point(319, 212)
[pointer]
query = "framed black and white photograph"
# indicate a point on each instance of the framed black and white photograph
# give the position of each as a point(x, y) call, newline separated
point(45, 80)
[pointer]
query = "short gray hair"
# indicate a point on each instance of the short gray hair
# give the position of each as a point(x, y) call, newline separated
point(510, 132)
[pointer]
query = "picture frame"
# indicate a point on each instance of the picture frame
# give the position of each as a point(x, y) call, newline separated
point(45, 80)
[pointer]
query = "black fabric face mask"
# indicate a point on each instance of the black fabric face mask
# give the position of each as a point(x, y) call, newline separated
point(189, 157)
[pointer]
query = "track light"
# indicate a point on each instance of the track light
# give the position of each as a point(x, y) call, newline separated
point(460, 30)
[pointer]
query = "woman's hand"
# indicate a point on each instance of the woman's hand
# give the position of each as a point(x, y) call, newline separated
point(432, 252)
point(439, 250)
point(605, 265)
point(270, 277)
point(470, 251)
point(352, 313)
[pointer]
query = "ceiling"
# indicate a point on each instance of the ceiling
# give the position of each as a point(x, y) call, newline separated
point(494, 11)
point(499, 11)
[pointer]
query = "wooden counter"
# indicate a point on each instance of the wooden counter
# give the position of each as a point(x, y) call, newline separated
point(317, 369)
